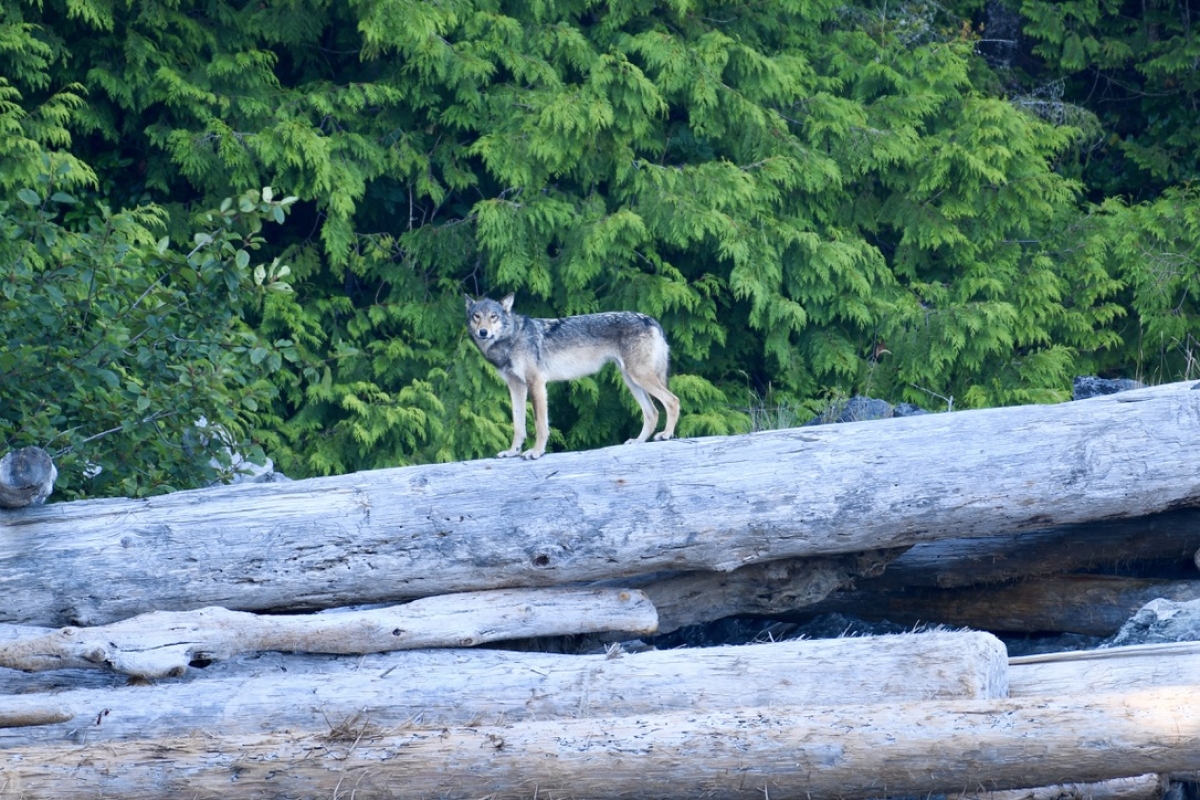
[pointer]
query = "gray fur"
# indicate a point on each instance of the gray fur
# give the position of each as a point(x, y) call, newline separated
point(528, 353)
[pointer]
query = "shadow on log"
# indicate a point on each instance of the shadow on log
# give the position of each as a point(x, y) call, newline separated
point(949, 563)
point(1094, 605)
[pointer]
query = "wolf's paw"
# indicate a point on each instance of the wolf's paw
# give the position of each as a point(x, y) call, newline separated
point(662, 437)
point(634, 440)
point(509, 453)
point(530, 455)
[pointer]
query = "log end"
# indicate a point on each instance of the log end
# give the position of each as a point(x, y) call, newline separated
point(26, 477)
point(23, 714)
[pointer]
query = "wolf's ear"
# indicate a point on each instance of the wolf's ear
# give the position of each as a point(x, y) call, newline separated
point(470, 302)
point(506, 303)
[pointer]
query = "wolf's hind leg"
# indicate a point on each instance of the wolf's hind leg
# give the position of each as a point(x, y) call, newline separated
point(649, 412)
point(650, 382)
point(671, 404)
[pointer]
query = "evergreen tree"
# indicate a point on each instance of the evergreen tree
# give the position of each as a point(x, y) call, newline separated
point(1122, 73)
point(816, 198)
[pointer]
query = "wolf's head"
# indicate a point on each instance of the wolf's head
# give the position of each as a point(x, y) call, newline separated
point(488, 319)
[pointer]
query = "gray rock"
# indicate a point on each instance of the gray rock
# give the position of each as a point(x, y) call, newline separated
point(908, 410)
point(856, 409)
point(1091, 386)
point(1160, 621)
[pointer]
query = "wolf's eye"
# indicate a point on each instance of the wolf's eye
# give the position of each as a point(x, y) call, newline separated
point(494, 318)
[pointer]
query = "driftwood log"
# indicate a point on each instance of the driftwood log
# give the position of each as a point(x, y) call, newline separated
point(164, 643)
point(26, 477)
point(1107, 670)
point(811, 751)
point(435, 688)
point(706, 505)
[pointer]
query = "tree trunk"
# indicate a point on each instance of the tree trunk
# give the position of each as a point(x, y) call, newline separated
point(1095, 605)
point(435, 688)
point(26, 477)
point(711, 504)
point(922, 747)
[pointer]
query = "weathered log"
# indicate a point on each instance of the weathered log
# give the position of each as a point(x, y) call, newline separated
point(26, 477)
point(1096, 605)
point(806, 752)
point(435, 688)
point(163, 643)
point(948, 563)
point(1139, 787)
point(1112, 669)
point(711, 504)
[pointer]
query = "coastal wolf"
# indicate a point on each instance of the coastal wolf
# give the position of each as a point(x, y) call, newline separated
point(529, 352)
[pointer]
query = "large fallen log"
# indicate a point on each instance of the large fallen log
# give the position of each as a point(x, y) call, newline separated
point(164, 643)
point(434, 688)
point(1095, 605)
point(917, 748)
point(712, 504)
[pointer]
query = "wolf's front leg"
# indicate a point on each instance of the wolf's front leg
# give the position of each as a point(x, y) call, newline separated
point(517, 391)
point(541, 420)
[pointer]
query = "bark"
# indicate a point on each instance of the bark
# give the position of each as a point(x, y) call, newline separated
point(436, 688)
point(712, 504)
point(26, 477)
point(1095, 605)
point(163, 643)
point(794, 752)
point(949, 563)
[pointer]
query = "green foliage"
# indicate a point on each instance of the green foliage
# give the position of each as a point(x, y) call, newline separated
point(118, 344)
point(1134, 65)
point(1155, 247)
point(817, 199)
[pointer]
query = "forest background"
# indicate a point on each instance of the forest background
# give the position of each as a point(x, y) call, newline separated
point(251, 225)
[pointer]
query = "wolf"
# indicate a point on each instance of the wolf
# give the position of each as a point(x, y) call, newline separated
point(529, 352)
